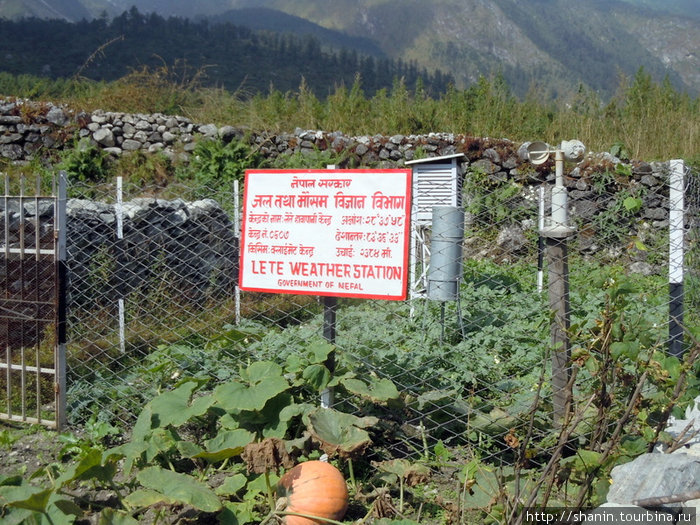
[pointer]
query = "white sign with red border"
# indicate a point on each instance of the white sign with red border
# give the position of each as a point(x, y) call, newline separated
point(341, 233)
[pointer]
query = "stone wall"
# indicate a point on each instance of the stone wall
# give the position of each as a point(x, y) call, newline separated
point(28, 129)
point(185, 251)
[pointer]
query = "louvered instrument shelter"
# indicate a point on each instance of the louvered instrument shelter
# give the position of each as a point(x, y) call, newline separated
point(437, 181)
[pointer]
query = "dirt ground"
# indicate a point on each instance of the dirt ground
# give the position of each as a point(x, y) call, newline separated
point(26, 449)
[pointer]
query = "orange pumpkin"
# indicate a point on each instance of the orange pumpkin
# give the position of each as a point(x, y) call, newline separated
point(316, 488)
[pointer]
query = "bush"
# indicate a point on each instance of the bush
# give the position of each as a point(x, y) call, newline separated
point(85, 163)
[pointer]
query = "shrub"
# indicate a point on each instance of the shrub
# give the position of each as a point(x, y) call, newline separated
point(85, 162)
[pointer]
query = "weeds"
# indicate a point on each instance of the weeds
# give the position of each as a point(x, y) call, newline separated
point(645, 119)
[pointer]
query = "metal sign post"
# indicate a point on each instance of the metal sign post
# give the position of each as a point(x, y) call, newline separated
point(330, 305)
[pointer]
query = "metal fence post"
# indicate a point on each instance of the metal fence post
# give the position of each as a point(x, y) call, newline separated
point(60, 229)
point(330, 305)
point(675, 258)
point(556, 231)
point(119, 215)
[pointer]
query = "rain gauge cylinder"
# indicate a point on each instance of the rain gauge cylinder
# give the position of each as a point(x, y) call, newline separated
point(445, 267)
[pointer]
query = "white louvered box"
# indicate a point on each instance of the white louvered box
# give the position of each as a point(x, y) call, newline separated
point(437, 181)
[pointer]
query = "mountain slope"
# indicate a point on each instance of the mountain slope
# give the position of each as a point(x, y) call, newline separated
point(677, 7)
point(261, 18)
point(221, 55)
point(71, 10)
point(559, 43)
point(554, 44)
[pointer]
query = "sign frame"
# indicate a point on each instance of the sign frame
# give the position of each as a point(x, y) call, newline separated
point(338, 198)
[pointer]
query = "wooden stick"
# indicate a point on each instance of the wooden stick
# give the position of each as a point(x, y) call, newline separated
point(662, 500)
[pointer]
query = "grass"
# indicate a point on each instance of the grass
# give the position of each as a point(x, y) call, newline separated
point(645, 119)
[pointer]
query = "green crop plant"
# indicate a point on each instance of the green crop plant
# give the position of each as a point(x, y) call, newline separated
point(214, 165)
point(205, 447)
point(85, 164)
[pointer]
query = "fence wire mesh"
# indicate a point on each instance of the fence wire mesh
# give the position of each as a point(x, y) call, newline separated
point(152, 300)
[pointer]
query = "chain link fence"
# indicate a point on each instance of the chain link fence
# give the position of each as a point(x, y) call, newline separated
point(153, 299)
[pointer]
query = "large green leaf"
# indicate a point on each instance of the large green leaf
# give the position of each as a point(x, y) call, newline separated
point(495, 423)
point(161, 441)
point(226, 444)
point(261, 370)
point(413, 473)
point(25, 497)
point(180, 488)
point(238, 513)
point(620, 349)
point(142, 428)
point(320, 350)
point(379, 391)
point(91, 466)
point(19, 517)
point(583, 461)
point(272, 423)
point(132, 452)
point(62, 510)
point(232, 485)
point(340, 433)
point(110, 516)
point(146, 497)
point(317, 376)
point(14, 480)
point(43, 505)
point(188, 449)
point(234, 396)
point(174, 408)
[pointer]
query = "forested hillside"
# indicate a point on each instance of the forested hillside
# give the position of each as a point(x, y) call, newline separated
point(554, 44)
point(225, 55)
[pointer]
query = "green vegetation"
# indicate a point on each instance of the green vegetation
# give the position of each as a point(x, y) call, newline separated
point(645, 120)
point(223, 416)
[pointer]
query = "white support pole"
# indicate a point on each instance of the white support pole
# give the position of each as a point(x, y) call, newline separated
point(119, 213)
point(675, 257)
point(412, 267)
point(237, 233)
point(540, 242)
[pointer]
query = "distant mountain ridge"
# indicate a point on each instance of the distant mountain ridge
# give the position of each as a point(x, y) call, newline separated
point(262, 18)
point(71, 10)
point(556, 45)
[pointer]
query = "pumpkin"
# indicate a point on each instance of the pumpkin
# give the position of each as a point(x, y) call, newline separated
point(315, 488)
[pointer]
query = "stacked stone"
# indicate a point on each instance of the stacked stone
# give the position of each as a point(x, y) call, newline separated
point(191, 246)
point(27, 129)
point(25, 132)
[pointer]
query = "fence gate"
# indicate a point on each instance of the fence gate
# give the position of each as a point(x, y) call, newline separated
point(32, 301)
